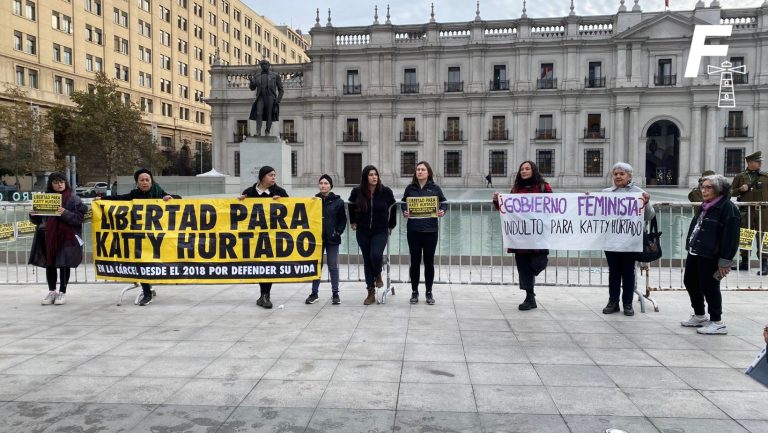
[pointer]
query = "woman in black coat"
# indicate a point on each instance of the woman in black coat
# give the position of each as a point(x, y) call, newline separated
point(334, 223)
point(713, 240)
point(265, 187)
point(57, 242)
point(146, 189)
point(422, 232)
point(372, 215)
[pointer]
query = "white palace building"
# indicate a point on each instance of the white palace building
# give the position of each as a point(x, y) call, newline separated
point(575, 94)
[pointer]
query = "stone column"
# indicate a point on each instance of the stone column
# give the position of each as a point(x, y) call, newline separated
point(569, 174)
point(637, 160)
point(694, 151)
point(429, 138)
point(619, 133)
point(711, 143)
point(621, 66)
point(474, 149)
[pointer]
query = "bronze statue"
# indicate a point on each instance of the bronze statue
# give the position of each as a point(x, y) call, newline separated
point(269, 93)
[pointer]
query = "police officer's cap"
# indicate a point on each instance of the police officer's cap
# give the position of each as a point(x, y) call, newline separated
point(757, 156)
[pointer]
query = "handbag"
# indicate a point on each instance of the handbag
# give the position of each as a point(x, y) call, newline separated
point(651, 244)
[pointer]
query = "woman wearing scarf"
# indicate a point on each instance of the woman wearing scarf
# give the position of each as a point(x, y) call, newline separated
point(621, 265)
point(57, 241)
point(529, 262)
point(713, 240)
point(146, 189)
point(265, 187)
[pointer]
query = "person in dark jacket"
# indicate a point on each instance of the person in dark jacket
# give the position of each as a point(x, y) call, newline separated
point(146, 189)
point(422, 232)
point(57, 243)
point(712, 242)
point(372, 216)
point(334, 223)
point(265, 187)
point(529, 262)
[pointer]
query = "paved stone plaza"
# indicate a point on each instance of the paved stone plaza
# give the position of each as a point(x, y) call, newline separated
point(207, 359)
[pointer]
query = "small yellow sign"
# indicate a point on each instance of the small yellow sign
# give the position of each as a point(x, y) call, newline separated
point(45, 204)
point(745, 239)
point(7, 232)
point(765, 242)
point(422, 207)
point(25, 228)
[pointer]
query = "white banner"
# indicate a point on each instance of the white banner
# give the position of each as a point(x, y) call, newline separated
point(596, 221)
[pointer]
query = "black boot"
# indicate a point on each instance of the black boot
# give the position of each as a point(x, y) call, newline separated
point(529, 303)
point(430, 298)
point(264, 301)
point(764, 267)
point(414, 297)
point(743, 264)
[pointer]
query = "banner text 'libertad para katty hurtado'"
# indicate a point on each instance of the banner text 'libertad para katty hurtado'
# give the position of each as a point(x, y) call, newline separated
point(208, 241)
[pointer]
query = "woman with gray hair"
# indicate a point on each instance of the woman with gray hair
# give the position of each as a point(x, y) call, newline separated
point(621, 264)
point(713, 240)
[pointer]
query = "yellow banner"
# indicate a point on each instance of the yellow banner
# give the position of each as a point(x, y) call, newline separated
point(746, 236)
point(208, 241)
point(7, 233)
point(25, 228)
point(765, 242)
point(45, 204)
point(422, 207)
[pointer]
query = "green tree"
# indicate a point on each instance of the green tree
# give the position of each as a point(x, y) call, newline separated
point(26, 141)
point(106, 134)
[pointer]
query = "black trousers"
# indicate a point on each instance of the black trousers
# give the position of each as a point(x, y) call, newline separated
point(621, 272)
point(50, 277)
point(525, 268)
point(701, 285)
point(422, 245)
point(372, 244)
point(265, 288)
point(146, 288)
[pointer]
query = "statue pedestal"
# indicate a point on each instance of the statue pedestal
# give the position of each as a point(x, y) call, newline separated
point(256, 152)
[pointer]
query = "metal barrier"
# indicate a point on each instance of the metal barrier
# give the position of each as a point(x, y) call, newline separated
point(469, 251)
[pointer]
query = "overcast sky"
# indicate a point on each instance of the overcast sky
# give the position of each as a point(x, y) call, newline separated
point(301, 13)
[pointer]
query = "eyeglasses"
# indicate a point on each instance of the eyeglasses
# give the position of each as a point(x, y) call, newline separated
point(706, 187)
point(58, 181)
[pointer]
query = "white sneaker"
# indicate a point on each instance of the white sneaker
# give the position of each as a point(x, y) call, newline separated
point(49, 298)
point(712, 328)
point(695, 321)
point(60, 299)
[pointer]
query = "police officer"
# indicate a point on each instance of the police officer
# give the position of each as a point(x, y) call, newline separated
point(751, 185)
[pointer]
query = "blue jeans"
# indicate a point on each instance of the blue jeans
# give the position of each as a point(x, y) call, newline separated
point(332, 254)
point(372, 244)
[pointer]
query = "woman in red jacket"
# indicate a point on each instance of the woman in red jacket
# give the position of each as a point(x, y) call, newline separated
point(529, 262)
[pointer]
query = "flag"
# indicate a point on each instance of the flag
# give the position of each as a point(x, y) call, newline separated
point(666, 3)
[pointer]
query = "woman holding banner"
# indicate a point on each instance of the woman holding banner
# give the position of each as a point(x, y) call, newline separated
point(372, 213)
point(713, 240)
point(146, 189)
point(621, 264)
point(529, 262)
point(57, 241)
point(422, 230)
point(265, 187)
point(334, 223)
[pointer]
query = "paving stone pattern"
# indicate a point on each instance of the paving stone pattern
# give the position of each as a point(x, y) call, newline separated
point(207, 359)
